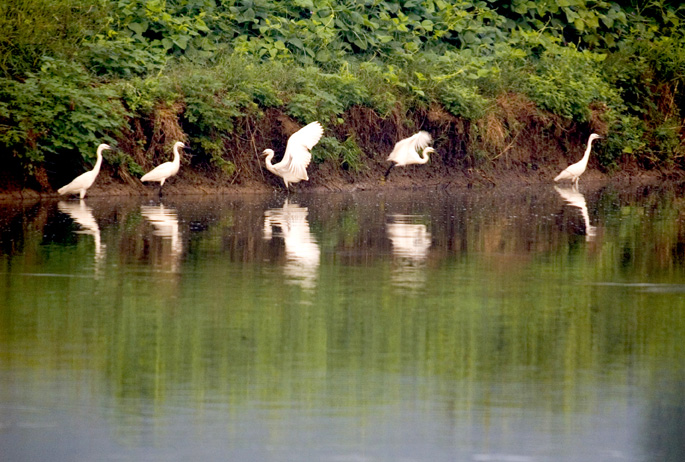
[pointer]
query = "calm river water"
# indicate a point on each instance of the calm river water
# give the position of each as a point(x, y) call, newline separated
point(544, 325)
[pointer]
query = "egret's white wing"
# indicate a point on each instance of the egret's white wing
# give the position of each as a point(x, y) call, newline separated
point(576, 169)
point(83, 181)
point(160, 172)
point(306, 137)
point(570, 172)
point(297, 150)
point(408, 147)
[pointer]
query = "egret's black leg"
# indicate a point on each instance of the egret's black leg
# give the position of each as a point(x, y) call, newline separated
point(387, 172)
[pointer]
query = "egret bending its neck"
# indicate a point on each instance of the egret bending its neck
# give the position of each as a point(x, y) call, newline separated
point(269, 153)
point(424, 154)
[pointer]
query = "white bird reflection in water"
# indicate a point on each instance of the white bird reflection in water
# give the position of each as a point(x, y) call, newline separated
point(301, 249)
point(165, 223)
point(83, 215)
point(575, 198)
point(410, 244)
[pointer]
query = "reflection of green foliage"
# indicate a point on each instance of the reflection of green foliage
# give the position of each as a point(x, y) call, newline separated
point(510, 305)
point(508, 315)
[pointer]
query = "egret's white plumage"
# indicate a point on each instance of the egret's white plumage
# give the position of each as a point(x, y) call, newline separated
point(573, 172)
point(168, 169)
point(81, 183)
point(293, 167)
point(412, 150)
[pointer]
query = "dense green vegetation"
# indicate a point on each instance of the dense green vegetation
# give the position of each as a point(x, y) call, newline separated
point(478, 74)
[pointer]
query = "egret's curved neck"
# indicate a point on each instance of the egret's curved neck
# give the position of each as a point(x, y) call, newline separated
point(424, 155)
point(269, 165)
point(586, 156)
point(98, 162)
point(177, 156)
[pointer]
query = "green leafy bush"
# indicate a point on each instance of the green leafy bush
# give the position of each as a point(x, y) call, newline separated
point(57, 110)
point(347, 154)
point(566, 82)
point(108, 65)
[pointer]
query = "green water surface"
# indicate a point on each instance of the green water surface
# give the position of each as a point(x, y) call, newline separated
point(541, 325)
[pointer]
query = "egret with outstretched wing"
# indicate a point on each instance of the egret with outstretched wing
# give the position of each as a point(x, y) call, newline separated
point(412, 150)
point(293, 167)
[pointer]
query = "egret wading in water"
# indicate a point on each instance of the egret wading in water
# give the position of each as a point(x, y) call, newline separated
point(168, 169)
point(81, 183)
point(406, 151)
point(573, 172)
point(293, 167)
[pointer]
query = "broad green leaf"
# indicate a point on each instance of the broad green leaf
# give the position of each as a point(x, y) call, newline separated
point(182, 41)
point(469, 38)
point(138, 27)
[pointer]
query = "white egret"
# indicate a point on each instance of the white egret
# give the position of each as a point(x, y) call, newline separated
point(81, 183)
point(573, 172)
point(168, 169)
point(293, 167)
point(406, 152)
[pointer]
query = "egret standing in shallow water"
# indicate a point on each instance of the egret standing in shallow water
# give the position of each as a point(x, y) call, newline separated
point(573, 172)
point(293, 167)
point(406, 151)
point(168, 169)
point(81, 183)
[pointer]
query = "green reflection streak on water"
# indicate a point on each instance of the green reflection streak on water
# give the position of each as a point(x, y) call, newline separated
point(511, 306)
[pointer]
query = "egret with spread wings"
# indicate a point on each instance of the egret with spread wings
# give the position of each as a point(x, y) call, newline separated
point(406, 151)
point(293, 167)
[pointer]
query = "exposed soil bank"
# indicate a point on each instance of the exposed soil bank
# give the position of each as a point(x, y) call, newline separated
point(325, 179)
point(532, 154)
